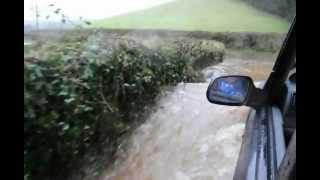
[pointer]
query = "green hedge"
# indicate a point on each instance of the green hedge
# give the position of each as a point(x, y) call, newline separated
point(81, 94)
point(263, 42)
point(200, 53)
point(269, 42)
point(283, 8)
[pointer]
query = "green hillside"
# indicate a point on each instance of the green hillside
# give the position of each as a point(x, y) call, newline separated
point(204, 15)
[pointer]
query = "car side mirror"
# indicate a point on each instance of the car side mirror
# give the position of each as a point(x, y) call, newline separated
point(235, 91)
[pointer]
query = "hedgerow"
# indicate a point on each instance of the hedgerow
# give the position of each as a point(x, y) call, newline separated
point(81, 94)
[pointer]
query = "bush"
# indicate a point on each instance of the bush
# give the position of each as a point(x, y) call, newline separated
point(270, 42)
point(267, 42)
point(81, 95)
point(283, 8)
point(200, 53)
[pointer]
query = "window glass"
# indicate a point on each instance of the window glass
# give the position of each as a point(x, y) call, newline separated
point(116, 88)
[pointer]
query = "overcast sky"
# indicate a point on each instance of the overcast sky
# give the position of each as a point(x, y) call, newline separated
point(88, 9)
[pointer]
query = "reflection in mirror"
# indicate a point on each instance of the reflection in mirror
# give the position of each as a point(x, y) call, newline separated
point(230, 90)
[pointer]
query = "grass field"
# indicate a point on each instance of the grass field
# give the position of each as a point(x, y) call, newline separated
point(202, 15)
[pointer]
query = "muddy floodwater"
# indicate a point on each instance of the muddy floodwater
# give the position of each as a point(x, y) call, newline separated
point(187, 138)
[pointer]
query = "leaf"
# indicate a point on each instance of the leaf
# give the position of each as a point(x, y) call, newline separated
point(65, 127)
point(88, 109)
point(63, 93)
point(61, 123)
point(68, 101)
point(87, 22)
point(38, 72)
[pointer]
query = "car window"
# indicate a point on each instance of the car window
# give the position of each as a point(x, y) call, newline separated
point(115, 89)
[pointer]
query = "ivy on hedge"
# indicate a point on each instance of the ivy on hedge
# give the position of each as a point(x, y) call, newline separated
point(81, 94)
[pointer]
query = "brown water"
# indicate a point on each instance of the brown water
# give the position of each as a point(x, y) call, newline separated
point(257, 66)
point(187, 138)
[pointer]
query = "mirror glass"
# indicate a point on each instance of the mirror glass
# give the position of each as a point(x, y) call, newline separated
point(229, 90)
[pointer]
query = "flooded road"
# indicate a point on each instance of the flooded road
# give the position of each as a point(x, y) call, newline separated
point(187, 138)
point(257, 67)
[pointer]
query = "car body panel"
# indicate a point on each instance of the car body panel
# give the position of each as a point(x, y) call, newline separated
point(263, 147)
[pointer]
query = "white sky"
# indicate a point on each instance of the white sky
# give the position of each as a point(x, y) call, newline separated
point(88, 9)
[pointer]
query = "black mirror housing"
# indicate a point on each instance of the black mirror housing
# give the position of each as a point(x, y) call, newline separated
point(235, 91)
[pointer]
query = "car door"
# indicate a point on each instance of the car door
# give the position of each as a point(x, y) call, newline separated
point(264, 147)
